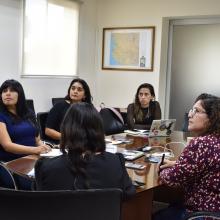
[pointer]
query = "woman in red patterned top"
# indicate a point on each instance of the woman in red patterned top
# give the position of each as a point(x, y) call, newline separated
point(197, 169)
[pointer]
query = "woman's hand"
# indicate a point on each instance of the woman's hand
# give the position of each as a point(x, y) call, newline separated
point(166, 164)
point(41, 149)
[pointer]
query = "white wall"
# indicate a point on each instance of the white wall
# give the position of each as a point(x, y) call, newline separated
point(115, 88)
point(9, 39)
point(43, 89)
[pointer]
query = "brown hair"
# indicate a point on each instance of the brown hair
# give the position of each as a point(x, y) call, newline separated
point(137, 105)
point(211, 104)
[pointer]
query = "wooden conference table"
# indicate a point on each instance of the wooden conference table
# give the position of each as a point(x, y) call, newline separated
point(137, 208)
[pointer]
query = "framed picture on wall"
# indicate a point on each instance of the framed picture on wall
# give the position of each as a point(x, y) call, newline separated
point(128, 48)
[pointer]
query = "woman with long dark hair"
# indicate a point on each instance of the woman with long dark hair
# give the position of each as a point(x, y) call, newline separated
point(84, 163)
point(78, 91)
point(19, 134)
point(144, 110)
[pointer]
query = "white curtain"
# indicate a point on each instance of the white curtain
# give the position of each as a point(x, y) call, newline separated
point(50, 38)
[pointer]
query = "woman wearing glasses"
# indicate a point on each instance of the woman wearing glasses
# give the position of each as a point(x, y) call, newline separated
point(197, 170)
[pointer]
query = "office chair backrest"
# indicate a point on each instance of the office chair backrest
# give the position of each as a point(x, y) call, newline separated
point(203, 215)
point(30, 104)
point(6, 178)
point(56, 100)
point(103, 204)
point(42, 119)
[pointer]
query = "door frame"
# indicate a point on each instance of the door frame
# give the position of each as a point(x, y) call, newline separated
point(175, 22)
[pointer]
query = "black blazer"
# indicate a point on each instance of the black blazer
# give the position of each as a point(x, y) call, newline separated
point(105, 170)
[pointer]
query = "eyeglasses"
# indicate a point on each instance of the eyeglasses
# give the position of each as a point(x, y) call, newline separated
point(194, 111)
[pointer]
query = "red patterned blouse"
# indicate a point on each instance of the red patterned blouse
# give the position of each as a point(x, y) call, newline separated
point(197, 170)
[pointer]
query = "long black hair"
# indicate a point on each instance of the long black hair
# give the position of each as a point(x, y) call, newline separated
point(88, 97)
point(211, 104)
point(22, 110)
point(137, 105)
point(82, 135)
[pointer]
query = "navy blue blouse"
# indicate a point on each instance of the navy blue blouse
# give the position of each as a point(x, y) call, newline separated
point(22, 132)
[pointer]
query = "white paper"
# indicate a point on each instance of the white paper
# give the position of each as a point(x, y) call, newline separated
point(52, 153)
point(160, 154)
point(111, 148)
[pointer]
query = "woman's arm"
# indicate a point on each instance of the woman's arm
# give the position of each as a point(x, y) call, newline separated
point(54, 119)
point(189, 165)
point(11, 147)
point(157, 113)
point(52, 133)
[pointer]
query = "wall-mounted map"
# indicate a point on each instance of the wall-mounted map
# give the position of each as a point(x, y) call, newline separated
point(128, 48)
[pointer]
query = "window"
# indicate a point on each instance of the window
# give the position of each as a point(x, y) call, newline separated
point(50, 38)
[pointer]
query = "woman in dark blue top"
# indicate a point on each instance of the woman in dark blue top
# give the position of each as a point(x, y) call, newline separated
point(19, 134)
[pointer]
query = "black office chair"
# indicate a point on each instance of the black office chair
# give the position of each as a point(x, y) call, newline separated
point(56, 100)
point(42, 119)
point(30, 104)
point(98, 204)
point(6, 178)
point(203, 214)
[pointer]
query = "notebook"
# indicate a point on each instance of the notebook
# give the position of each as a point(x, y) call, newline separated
point(162, 128)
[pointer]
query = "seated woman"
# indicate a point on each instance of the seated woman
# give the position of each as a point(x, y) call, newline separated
point(84, 163)
point(19, 134)
point(197, 169)
point(144, 110)
point(78, 91)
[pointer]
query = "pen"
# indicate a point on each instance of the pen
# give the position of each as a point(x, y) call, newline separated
point(161, 163)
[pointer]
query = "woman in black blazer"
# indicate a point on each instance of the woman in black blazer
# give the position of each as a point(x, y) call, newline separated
point(84, 163)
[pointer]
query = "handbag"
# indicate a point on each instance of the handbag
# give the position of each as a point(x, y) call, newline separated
point(112, 120)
